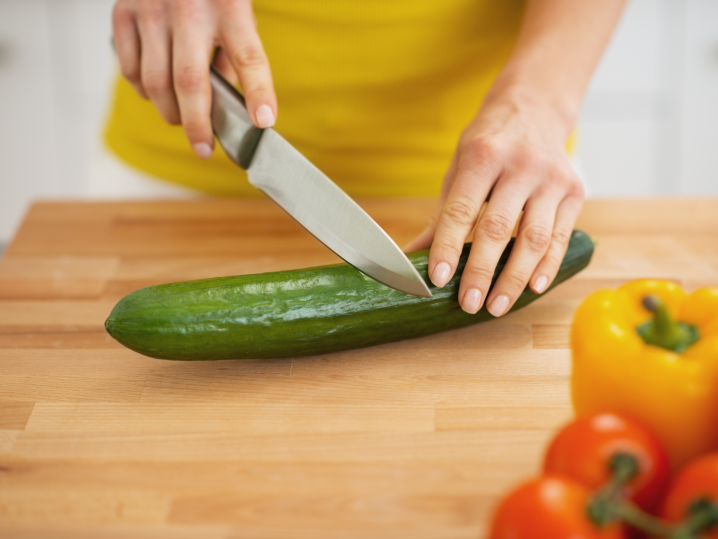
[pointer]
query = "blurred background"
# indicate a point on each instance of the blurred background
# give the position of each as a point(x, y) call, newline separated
point(649, 126)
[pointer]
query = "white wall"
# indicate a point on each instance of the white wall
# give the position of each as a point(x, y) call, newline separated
point(649, 124)
point(55, 68)
point(27, 140)
point(699, 119)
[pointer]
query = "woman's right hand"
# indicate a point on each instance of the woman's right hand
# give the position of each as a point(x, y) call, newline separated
point(165, 47)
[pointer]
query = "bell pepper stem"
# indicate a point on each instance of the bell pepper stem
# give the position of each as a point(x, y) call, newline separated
point(663, 330)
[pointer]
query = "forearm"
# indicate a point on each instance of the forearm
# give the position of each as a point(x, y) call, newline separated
point(558, 47)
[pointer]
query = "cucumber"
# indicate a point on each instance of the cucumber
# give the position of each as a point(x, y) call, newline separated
point(299, 312)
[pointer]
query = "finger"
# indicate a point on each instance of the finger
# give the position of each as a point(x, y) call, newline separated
point(532, 242)
point(156, 68)
point(190, 72)
point(566, 216)
point(127, 46)
point(242, 44)
point(492, 234)
point(474, 179)
point(224, 66)
point(426, 236)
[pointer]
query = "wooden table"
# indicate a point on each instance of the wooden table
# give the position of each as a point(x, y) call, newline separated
point(414, 439)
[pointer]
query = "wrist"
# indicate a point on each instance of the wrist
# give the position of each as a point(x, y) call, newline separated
point(555, 112)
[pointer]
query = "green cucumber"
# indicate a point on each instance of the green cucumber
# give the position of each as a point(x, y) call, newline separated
point(299, 312)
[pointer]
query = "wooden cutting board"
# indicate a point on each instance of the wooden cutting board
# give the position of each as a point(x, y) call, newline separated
point(413, 439)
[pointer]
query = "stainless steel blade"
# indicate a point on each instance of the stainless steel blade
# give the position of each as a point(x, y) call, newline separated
point(293, 182)
point(288, 178)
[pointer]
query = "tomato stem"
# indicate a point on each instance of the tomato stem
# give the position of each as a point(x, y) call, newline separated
point(602, 509)
point(635, 517)
point(608, 506)
point(702, 516)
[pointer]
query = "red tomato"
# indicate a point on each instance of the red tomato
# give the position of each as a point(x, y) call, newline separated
point(550, 507)
point(698, 479)
point(583, 449)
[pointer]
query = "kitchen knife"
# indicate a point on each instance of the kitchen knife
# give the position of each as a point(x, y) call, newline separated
point(277, 169)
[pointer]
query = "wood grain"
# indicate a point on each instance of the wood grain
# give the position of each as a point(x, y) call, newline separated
point(14, 415)
point(412, 439)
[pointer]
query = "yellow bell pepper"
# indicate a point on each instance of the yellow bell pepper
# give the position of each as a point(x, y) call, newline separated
point(650, 351)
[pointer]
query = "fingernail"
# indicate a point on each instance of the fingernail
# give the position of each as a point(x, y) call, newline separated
point(498, 306)
point(440, 275)
point(265, 117)
point(203, 150)
point(472, 298)
point(540, 284)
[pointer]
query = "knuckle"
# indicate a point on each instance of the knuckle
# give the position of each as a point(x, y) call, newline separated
point(152, 12)
point(535, 161)
point(527, 160)
point(121, 13)
point(552, 258)
point(249, 55)
point(561, 236)
point(187, 9)
point(481, 145)
point(194, 129)
point(189, 78)
point(563, 179)
point(537, 238)
point(257, 91)
point(447, 248)
point(479, 273)
point(513, 280)
point(481, 152)
point(228, 6)
point(496, 227)
point(462, 211)
point(577, 189)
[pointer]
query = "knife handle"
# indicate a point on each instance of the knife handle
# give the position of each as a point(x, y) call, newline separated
point(231, 123)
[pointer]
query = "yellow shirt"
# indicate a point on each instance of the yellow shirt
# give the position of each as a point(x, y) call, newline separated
point(374, 92)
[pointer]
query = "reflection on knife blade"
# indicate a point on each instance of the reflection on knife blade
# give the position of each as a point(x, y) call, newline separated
point(275, 167)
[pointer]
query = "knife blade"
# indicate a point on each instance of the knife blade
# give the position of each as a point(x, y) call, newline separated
point(281, 172)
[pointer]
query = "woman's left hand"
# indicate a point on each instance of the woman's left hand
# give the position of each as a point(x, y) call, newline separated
point(513, 156)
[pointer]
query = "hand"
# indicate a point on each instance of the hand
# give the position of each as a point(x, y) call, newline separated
point(513, 155)
point(164, 49)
